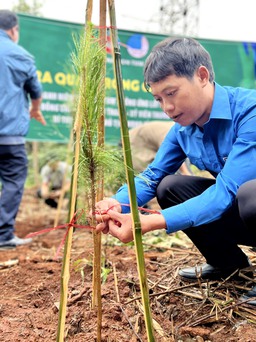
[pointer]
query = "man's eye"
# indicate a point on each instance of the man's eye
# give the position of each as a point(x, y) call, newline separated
point(171, 93)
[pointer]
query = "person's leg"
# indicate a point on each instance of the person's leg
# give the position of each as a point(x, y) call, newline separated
point(13, 173)
point(217, 241)
point(246, 198)
point(247, 210)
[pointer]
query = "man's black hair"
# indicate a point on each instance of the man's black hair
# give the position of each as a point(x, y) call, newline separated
point(8, 20)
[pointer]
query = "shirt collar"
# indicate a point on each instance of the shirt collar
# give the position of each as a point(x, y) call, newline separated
point(4, 34)
point(221, 105)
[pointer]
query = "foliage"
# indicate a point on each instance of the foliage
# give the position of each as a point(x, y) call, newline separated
point(88, 63)
point(88, 60)
point(81, 264)
point(46, 152)
point(23, 6)
point(158, 238)
point(114, 173)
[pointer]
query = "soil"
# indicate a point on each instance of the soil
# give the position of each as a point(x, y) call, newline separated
point(30, 282)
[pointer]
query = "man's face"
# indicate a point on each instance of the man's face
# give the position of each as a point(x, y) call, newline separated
point(185, 101)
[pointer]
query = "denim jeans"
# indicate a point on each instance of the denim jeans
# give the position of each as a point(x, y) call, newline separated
point(13, 174)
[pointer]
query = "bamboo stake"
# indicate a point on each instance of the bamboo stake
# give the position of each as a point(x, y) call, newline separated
point(65, 274)
point(96, 296)
point(130, 176)
point(35, 162)
point(90, 63)
point(67, 250)
point(88, 11)
point(63, 191)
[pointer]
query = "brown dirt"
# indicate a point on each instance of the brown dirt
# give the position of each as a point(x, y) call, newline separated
point(30, 289)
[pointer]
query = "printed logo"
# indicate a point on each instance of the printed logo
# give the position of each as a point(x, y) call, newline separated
point(137, 46)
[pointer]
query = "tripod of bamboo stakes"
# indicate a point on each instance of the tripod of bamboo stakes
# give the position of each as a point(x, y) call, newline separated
point(88, 133)
point(90, 157)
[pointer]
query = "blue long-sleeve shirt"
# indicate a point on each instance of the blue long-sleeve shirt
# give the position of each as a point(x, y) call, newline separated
point(226, 147)
point(18, 82)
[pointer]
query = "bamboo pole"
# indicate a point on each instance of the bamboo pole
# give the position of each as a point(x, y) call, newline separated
point(88, 11)
point(35, 162)
point(96, 298)
point(65, 274)
point(90, 63)
point(63, 191)
point(130, 176)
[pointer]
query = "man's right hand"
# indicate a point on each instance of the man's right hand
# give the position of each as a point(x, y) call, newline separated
point(101, 213)
point(37, 115)
point(35, 111)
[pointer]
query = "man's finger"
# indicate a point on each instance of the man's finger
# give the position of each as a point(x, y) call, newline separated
point(115, 215)
point(101, 227)
point(102, 218)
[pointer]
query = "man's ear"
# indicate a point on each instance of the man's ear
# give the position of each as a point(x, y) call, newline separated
point(203, 74)
point(12, 33)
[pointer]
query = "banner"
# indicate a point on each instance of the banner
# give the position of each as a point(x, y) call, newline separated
point(51, 42)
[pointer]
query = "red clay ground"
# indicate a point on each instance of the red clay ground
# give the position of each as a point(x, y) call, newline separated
point(30, 290)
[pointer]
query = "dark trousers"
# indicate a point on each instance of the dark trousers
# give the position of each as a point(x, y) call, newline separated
point(217, 241)
point(13, 173)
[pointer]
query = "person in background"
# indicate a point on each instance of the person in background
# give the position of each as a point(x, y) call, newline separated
point(214, 128)
point(55, 178)
point(20, 100)
point(145, 141)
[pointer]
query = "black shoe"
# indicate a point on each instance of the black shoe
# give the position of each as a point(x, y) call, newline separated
point(51, 202)
point(209, 272)
point(13, 243)
point(249, 297)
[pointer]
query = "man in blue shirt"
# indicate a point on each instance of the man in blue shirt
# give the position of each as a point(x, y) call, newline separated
point(18, 85)
point(215, 127)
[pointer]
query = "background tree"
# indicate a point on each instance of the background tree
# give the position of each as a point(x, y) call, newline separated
point(29, 7)
point(179, 17)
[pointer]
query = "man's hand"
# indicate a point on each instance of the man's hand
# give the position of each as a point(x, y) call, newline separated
point(117, 224)
point(55, 194)
point(101, 214)
point(120, 225)
point(37, 114)
point(35, 111)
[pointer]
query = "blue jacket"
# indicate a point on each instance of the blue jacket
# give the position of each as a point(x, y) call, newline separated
point(18, 82)
point(226, 148)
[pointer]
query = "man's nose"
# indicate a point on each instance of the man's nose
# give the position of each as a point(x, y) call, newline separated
point(168, 107)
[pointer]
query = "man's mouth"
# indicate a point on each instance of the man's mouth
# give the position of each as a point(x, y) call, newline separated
point(176, 117)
